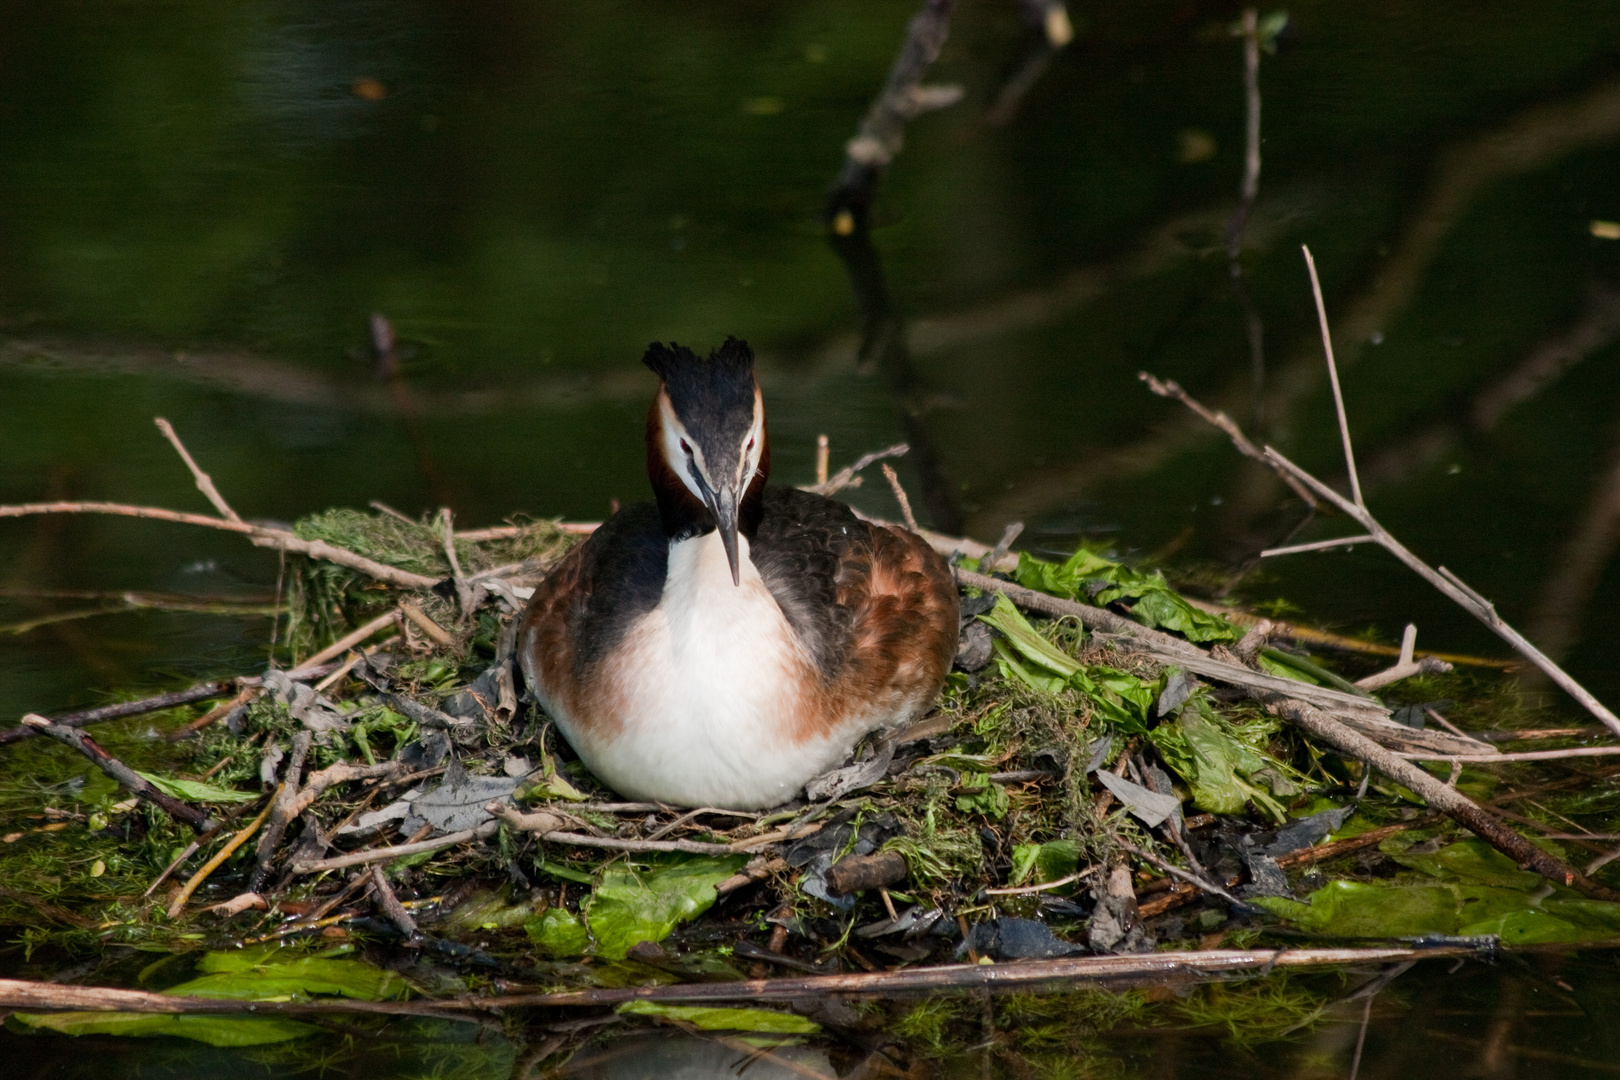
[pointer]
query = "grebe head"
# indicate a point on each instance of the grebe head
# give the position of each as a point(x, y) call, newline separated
point(707, 451)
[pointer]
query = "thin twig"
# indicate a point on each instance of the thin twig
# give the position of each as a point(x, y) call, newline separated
point(1105, 970)
point(362, 858)
point(205, 483)
point(178, 904)
point(849, 475)
point(1449, 584)
point(550, 827)
point(281, 812)
point(1022, 890)
point(218, 712)
point(1190, 878)
point(258, 535)
point(416, 615)
point(390, 903)
point(200, 692)
point(1333, 377)
point(1529, 755)
point(900, 496)
point(823, 449)
point(306, 668)
point(1169, 388)
point(138, 785)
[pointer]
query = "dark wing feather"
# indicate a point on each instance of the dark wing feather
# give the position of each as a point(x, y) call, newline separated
point(806, 549)
point(617, 577)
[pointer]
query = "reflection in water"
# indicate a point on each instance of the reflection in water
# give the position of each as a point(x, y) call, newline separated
point(664, 1055)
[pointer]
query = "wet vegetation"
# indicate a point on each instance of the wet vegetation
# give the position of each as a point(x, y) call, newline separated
point(204, 209)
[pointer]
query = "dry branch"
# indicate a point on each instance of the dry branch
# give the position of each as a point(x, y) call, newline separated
point(362, 858)
point(205, 483)
point(1117, 971)
point(281, 809)
point(1169, 388)
point(1434, 792)
point(200, 692)
point(178, 904)
point(182, 812)
point(258, 535)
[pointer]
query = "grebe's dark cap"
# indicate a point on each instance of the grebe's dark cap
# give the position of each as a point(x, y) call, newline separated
point(713, 397)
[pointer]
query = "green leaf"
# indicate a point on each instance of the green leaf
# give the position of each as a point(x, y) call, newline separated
point(1274, 663)
point(1012, 668)
point(635, 904)
point(706, 1018)
point(1088, 577)
point(1045, 862)
point(1473, 860)
point(559, 933)
point(262, 973)
point(1023, 637)
point(983, 796)
point(196, 790)
point(213, 1030)
point(1218, 766)
point(266, 972)
point(1357, 909)
point(1121, 697)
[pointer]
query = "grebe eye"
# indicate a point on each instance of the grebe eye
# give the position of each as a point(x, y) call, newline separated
point(750, 443)
point(685, 449)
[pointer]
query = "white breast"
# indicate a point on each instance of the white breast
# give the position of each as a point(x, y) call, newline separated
point(712, 683)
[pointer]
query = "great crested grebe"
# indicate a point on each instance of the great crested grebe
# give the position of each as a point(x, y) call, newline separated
point(730, 642)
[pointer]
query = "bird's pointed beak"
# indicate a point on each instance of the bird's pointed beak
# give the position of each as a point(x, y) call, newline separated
point(723, 504)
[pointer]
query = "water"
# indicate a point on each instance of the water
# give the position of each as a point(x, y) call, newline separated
point(201, 207)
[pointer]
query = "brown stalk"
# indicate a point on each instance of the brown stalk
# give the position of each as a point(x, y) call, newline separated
point(182, 812)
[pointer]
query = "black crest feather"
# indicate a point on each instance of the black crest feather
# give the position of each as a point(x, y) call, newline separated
point(714, 396)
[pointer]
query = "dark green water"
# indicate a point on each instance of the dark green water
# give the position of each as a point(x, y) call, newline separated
point(201, 205)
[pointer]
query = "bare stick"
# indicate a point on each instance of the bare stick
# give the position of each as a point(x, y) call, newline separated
point(1190, 878)
point(218, 712)
point(822, 452)
point(178, 904)
point(1428, 665)
point(1105, 970)
point(280, 809)
point(205, 483)
point(1023, 890)
point(1169, 388)
point(1447, 800)
point(416, 615)
point(362, 858)
point(340, 773)
point(900, 496)
point(1333, 376)
point(1318, 545)
point(1453, 587)
point(138, 785)
point(258, 535)
point(390, 903)
point(849, 476)
point(200, 692)
point(1003, 546)
point(550, 827)
point(1528, 755)
point(306, 668)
